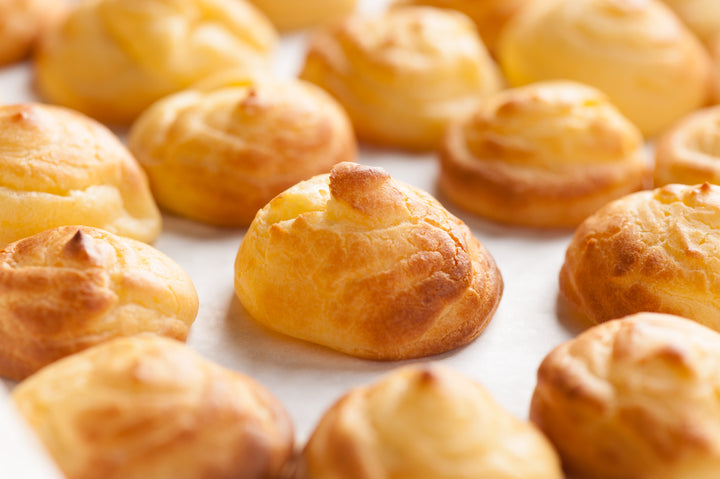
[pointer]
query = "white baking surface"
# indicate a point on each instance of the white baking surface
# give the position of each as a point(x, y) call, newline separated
point(309, 378)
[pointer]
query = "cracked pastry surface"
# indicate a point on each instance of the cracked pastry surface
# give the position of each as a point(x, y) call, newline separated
point(220, 153)
point(291, 14)
point(22, 22)
point(366, 265)
point(650, 251)
point(634, 398)
point(111, 59)
point(425, 421)
point(544, 155)
point(69, 288)
point(147, 407)
point(58, 167)
point(403, 75)
point(637, 52)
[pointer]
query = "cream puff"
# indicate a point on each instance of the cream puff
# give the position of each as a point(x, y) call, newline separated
point(292, 14)
point(701, 16)
point(22, 22)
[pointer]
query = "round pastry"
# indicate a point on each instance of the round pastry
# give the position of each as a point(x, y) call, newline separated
point(367, 265)
point(650, 251)
point(292, 14)
point(147, 407)
point(58, 167)
point(546, 155)
point(425, 422)
point(689, 153)
point(22, 22)
point(69, 288)
point(701, 16)
point(221, 154)
point(637, 52)
point(403, 75)
point(111, 59)
point(634, 398)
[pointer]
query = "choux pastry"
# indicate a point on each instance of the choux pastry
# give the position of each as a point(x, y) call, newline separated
point(147, 407)
point(69, 288)
point(544, 155)
point(404, 75)
point(366, 265)
point(292, 14)
point(701, 16)
point(22, 22)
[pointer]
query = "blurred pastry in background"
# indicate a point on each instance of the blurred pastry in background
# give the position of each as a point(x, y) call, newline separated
point(22, 22)
point(366, 265)
point(545, 155)
point(637, 52)
point(111, 59)
point(294, 14)
point(701, 16)
point(403, 75)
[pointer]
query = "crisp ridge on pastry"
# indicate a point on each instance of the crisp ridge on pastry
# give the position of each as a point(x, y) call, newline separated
point(403, 75)
point(22, 22)
point(425, 422)
point(58, 167)
point(637, 52)
point(545, 155)
point(69, 288)
point(148, 407)
point(634, 398)
point(292, 14)
point(219, 154)
point(367, 265)
point(111, 59)
point(649, 251)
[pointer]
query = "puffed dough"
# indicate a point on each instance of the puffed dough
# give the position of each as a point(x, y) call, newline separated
point(147, 407)
point(220, 154)
point(403, 75)
point(69, 288)
point(425, 422)
point(637, 52)
point(544, 155)
point(111, 59)
point(634, 398)
point(367, 265)
point(22, 22)
point(701, 16)
point(293, 14)
point(650, 251)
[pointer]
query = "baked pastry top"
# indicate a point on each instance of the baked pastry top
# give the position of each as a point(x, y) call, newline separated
point(58, 167)
point(544, 155)
point(634, 398)
point(147, 407)
point(292, 14)
point(637, 52)
point(402, 75)
point(220, 153)
point(22, 22)
point(650, 251)
point(111, 59)
point(367, 265)
point(425, 422)
point(69, 288)
point(701, 16)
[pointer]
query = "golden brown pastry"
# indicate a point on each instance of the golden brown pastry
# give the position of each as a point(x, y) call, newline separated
point(634, 398)
point(293, 14)
point(58, 167)
point(425, 422)
point(545, 155)
point(69, 288)
point(637, 52)
point(364, 264)
point(111, 59)
point(220, 154)
point(403, 75)
point(650, 251)
point(701, 16)
point(22, 22)
point(147, 407)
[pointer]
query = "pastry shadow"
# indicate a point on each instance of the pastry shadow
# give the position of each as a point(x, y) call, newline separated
point(569, 317)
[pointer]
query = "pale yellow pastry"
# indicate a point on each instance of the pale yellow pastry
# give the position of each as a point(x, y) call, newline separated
point(367, 265)
point(701, 16)
point(111, 59)
point(58, 167)
point(404, 75)
point(220, 154)
point(634, 398)
point(545, 155)
point(148, 407)
point(69, 288)
point(637, 52)
point(293, 14)
point(22, 22)
point(650, 251)
point(425, 422)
